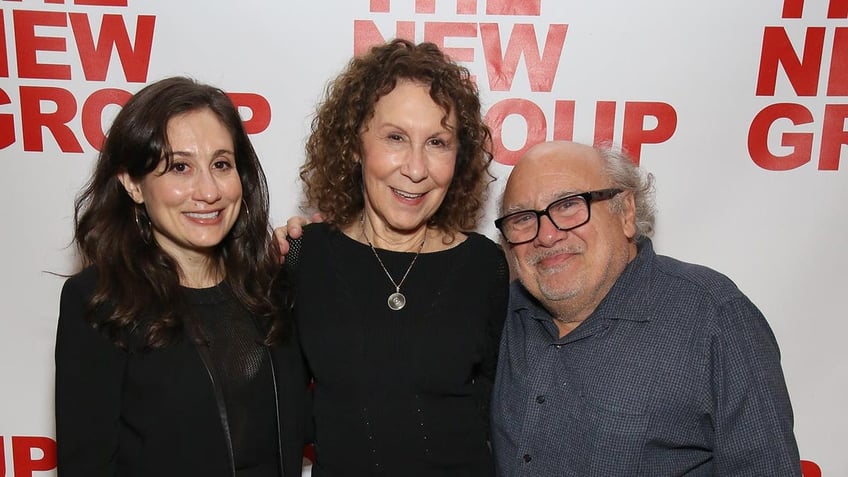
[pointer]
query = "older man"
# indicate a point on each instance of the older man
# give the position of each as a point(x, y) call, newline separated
point(616, 361)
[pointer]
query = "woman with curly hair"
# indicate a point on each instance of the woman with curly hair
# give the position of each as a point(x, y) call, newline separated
point(174, 354)
point(398, 303)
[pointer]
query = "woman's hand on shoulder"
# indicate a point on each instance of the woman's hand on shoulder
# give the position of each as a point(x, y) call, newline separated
point(294, 229)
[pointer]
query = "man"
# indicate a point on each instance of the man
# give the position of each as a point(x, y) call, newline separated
point(616, 361)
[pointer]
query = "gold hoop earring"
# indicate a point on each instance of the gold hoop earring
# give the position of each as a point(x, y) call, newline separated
point(144, 226)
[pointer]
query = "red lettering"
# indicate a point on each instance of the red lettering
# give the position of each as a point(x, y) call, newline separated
point(366, 34)
point(501, 66)
point(564, 120)
point(52, 109)
point(134, 56)
point(800, 142)
point(28, 44)
point(810, 469)
point(834, 136)
point(102, 3)
point(2, 457)
point(462, 6)
point(33, 118)
point(536, 127)
point(792, 8)
point(436, 32)
point(635, 134)
point(7, 135)
point(4, 56)
point(837, 9)
point(379, 6)
point(803, 74)
point(514, 7)
point(92, 113)
point(837, 83)
point(466, 7)
point(604, 122)
point(260, 111)
point(425, 6)
point(94, 3)
point(24, 462)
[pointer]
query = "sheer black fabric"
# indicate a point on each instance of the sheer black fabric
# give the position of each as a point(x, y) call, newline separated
point(241, 369)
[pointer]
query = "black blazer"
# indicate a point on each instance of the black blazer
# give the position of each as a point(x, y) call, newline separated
point(152, 413)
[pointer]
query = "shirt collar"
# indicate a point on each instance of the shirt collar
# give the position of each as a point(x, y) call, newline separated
point(627, 299)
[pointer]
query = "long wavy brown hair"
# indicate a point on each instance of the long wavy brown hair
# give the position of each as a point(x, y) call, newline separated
point(136, 280)
point(332, 176)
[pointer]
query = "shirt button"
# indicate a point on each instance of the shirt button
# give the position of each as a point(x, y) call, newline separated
point(540, 399)
point(527, 458)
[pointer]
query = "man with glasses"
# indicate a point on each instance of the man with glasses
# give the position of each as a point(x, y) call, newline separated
point(616, 361)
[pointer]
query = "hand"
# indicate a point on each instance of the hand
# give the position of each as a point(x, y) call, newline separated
point(294, 229)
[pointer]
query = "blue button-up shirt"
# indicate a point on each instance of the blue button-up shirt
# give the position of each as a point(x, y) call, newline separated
point(675, 373)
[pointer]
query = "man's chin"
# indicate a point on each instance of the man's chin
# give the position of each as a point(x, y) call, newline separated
point(556, 292)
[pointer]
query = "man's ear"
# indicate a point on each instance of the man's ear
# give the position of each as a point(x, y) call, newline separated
point(628, 215)
point(132, 187)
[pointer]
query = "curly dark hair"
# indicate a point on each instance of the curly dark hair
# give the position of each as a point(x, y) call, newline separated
point(135, 277)
point(332, 176)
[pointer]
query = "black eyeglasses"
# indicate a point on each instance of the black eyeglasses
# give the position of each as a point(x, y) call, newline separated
point(566, 213)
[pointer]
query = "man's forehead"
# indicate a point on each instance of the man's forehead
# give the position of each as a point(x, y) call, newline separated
point(538, 198)
point(535, 187)
point(552, 170)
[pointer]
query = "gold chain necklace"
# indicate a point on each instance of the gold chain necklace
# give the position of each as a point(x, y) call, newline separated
point(396, 300)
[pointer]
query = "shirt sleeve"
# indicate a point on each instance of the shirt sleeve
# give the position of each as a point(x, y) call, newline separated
point(89, 376)
point(496, 314)
point(753, 418)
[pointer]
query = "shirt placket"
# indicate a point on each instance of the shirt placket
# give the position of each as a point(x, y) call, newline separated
point(552, 390)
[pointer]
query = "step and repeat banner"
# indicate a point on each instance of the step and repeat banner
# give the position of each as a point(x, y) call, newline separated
point(738, 108)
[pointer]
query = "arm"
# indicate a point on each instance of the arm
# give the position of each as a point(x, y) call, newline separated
point(89, 375)
point(753, 415)
point(499, 287)
point(496, 314)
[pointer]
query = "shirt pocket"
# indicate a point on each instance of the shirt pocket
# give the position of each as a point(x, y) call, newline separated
point(612, 438)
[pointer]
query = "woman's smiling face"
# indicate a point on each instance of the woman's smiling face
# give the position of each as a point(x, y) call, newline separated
point(193, 204)
point(409, 158)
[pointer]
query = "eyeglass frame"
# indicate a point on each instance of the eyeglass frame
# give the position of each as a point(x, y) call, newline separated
point(588, 197)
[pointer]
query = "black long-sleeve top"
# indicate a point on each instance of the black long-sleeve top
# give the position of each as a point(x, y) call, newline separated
point(399, 392)
point(157, 412)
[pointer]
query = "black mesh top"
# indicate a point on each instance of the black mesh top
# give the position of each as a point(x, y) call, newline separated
point(241, 369)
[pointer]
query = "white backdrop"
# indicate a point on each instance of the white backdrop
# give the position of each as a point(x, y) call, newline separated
point(738, 108)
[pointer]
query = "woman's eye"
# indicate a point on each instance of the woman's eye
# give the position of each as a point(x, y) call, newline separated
point(222, 165)
point(179, 167)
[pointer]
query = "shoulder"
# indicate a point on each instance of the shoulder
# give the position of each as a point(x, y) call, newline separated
point(481, 256)
point(707, 296)
point(483, 246)
point(318, 230)
point(483, 250)
point(312, 234)
point(697, 278)
point(80, 285)
point(74, 304)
